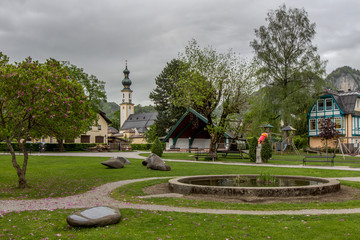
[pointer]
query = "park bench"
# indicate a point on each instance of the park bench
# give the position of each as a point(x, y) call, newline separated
point(213, 156)
point(173, 149)
point(317, 158)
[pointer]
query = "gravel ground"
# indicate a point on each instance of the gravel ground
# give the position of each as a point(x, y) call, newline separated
point(100, 197)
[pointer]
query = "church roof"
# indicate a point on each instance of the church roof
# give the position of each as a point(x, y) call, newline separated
point(140, 121)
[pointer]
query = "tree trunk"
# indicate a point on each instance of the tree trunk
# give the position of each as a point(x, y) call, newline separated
point(19, 171)
point(213, 142)
point(61, 145)
point(326, 145)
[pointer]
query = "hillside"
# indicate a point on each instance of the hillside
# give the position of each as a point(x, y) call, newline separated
point(109, 108)
point(344, 78)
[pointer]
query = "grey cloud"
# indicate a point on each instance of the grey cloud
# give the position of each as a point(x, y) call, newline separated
point(100, 35)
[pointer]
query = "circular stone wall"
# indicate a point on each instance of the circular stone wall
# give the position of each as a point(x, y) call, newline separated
point(323, 186)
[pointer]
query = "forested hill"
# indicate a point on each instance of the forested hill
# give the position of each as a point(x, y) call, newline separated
point(111, 107)
point(344, 78)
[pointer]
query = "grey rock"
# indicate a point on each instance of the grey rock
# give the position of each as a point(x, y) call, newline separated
point(113, 163)
point(123, 160)
point(154, 162)
point(94, 217)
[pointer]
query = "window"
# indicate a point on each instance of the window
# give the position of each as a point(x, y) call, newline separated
point(99, 139)
point(99, 127)
point(85, 139)
point(337, 121)
point(321, 105)
point(328, 104)
point(312, 124)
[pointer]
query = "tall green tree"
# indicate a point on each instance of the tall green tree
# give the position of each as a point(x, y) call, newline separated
point(214, 82)
point(33, 98)
point(93, 87)
point(163, 96)
point(290, 69)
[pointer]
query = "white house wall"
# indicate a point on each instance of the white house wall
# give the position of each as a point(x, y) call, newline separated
point(183, 143)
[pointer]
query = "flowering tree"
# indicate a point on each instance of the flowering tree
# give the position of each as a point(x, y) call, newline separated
point(327, 130)
point(38, 99)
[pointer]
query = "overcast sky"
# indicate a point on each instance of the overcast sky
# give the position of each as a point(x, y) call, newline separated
point(100, 35)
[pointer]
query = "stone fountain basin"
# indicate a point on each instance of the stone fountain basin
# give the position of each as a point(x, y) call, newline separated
point(182, 185)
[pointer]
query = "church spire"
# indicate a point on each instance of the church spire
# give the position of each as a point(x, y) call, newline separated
point(126, 82)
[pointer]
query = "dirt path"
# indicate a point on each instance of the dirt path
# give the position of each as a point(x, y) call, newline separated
point(100, 196)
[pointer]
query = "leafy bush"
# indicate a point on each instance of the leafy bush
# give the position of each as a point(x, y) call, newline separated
point(157, 147)
point(141, 146)
point(301, 142)
point(266, 151)
point(252, 149)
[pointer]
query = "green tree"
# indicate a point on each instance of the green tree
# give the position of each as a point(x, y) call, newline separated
point(115, 120)
point(290, 69)
point(93, 87)
point(214, 82)
point(157, 148)
point(151, 134)
point(252, 149)
point(163, 97)
point(33, 96)
point(266, 151)
point(143, 109)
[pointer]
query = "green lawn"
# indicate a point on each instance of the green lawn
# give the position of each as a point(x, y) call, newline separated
point(139, 224)
point(131, 192)
point(277, 158)
point(63, 176)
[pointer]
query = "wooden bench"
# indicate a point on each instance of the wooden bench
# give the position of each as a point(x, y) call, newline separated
point(326, 159)
point(213, 156)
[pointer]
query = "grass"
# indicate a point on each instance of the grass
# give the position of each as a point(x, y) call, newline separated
point(131, 192)
point(277, 158)
point(50, 176)
point(138, 224)
point(63, 176)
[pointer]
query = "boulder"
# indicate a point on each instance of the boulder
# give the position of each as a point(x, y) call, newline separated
point(154, 162)
point(113, 163)
point(123, 160)
point(94, 217)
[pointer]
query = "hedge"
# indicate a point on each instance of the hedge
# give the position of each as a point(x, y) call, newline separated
point(34, 147)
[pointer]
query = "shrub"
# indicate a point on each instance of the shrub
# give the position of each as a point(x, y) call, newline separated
point(266, 151)
point(301, 141)
point(252, 149)
point(157, 147)
point(141, 146)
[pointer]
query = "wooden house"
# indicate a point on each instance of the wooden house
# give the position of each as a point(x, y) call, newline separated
point(190, 133)
point(343, 108)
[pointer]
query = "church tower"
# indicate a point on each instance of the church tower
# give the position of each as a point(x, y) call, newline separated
point(126, 105)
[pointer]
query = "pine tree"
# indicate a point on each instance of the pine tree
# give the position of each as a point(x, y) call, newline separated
point(252, 149)
point(266, 151)
point(157, 148)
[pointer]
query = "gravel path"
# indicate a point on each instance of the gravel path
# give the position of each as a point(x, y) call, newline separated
point(99, 196)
